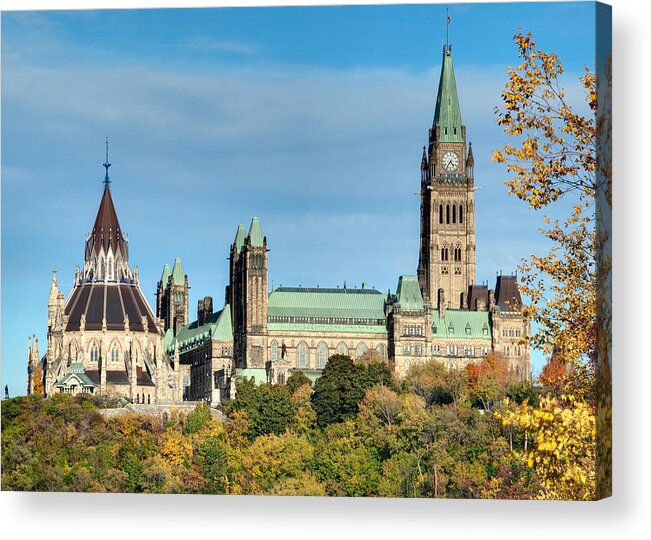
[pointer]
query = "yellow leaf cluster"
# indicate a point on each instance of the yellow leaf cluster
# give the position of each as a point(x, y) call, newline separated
point(563, 450)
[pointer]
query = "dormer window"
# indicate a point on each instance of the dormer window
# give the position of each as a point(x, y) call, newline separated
point(484, 330)
point(468, 329)
point(451, 329)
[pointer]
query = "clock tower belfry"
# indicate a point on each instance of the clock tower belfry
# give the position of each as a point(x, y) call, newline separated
point(446, 264)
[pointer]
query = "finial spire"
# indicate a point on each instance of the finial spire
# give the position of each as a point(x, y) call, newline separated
point(447, 28)
point(106, 165)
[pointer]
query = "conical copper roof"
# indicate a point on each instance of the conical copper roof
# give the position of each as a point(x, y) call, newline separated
point(106, 231)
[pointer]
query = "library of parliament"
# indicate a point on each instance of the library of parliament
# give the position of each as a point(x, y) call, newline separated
point(104, 338)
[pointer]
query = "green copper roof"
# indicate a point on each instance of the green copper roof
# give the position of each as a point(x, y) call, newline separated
point(222, 330)
point(178, 274)
point(240, 236)
point(166, 274)
point(324, 328)
point(259, 375)
point(447, 115)
point(217, 327)
point(408, 294)
point(169, 339)
point(74, 374)
point(255, 233)
point(461, 324)
point(326, 303)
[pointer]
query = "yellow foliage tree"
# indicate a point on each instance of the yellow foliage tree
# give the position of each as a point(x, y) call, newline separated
point(563, 445)
point(555, 158)
point(563, 153)
point(38, 379)
point(176, 449)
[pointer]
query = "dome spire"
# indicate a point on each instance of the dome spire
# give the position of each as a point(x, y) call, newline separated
point(106, 165)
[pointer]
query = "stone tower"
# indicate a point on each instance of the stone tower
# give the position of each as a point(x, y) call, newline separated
point(249, 296)
point(234, 288)
point(172, 303)
point(446, 265)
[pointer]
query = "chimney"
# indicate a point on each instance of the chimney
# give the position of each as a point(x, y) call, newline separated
point(204, 310)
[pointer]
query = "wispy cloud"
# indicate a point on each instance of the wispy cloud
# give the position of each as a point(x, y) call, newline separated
point(204, 43)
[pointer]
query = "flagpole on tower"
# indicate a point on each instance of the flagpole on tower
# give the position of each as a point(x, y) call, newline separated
point(447, 27)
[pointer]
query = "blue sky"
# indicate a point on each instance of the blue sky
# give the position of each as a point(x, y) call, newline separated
point(311, 118)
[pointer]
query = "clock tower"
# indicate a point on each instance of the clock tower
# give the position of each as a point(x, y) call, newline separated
point(446, 264)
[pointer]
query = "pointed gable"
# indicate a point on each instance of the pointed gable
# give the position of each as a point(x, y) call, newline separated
point(447, 115)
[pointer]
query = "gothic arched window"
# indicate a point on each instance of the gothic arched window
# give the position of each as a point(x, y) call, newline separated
point(460, 213)
point(454, 213)
point(440, 213)
point(322, 355)
point(274, 350)
point(342, 348)
point(361, 349)
point(115, 354)
point(447, 213)
point(94, 353)
point(303, 355)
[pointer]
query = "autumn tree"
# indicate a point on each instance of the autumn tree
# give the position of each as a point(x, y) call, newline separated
point(488, 379)
point(562, 153)
point(554, 157)
point(38, 380)
point(562, 449)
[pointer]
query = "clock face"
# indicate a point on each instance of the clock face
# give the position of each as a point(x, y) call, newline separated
point(450, 161)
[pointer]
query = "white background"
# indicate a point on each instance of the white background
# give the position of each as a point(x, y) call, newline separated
point(625, 515)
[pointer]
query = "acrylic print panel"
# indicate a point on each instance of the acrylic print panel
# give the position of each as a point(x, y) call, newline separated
point(352, 198)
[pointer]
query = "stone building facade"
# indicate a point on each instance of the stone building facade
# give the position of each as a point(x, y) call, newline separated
point(440, 313)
